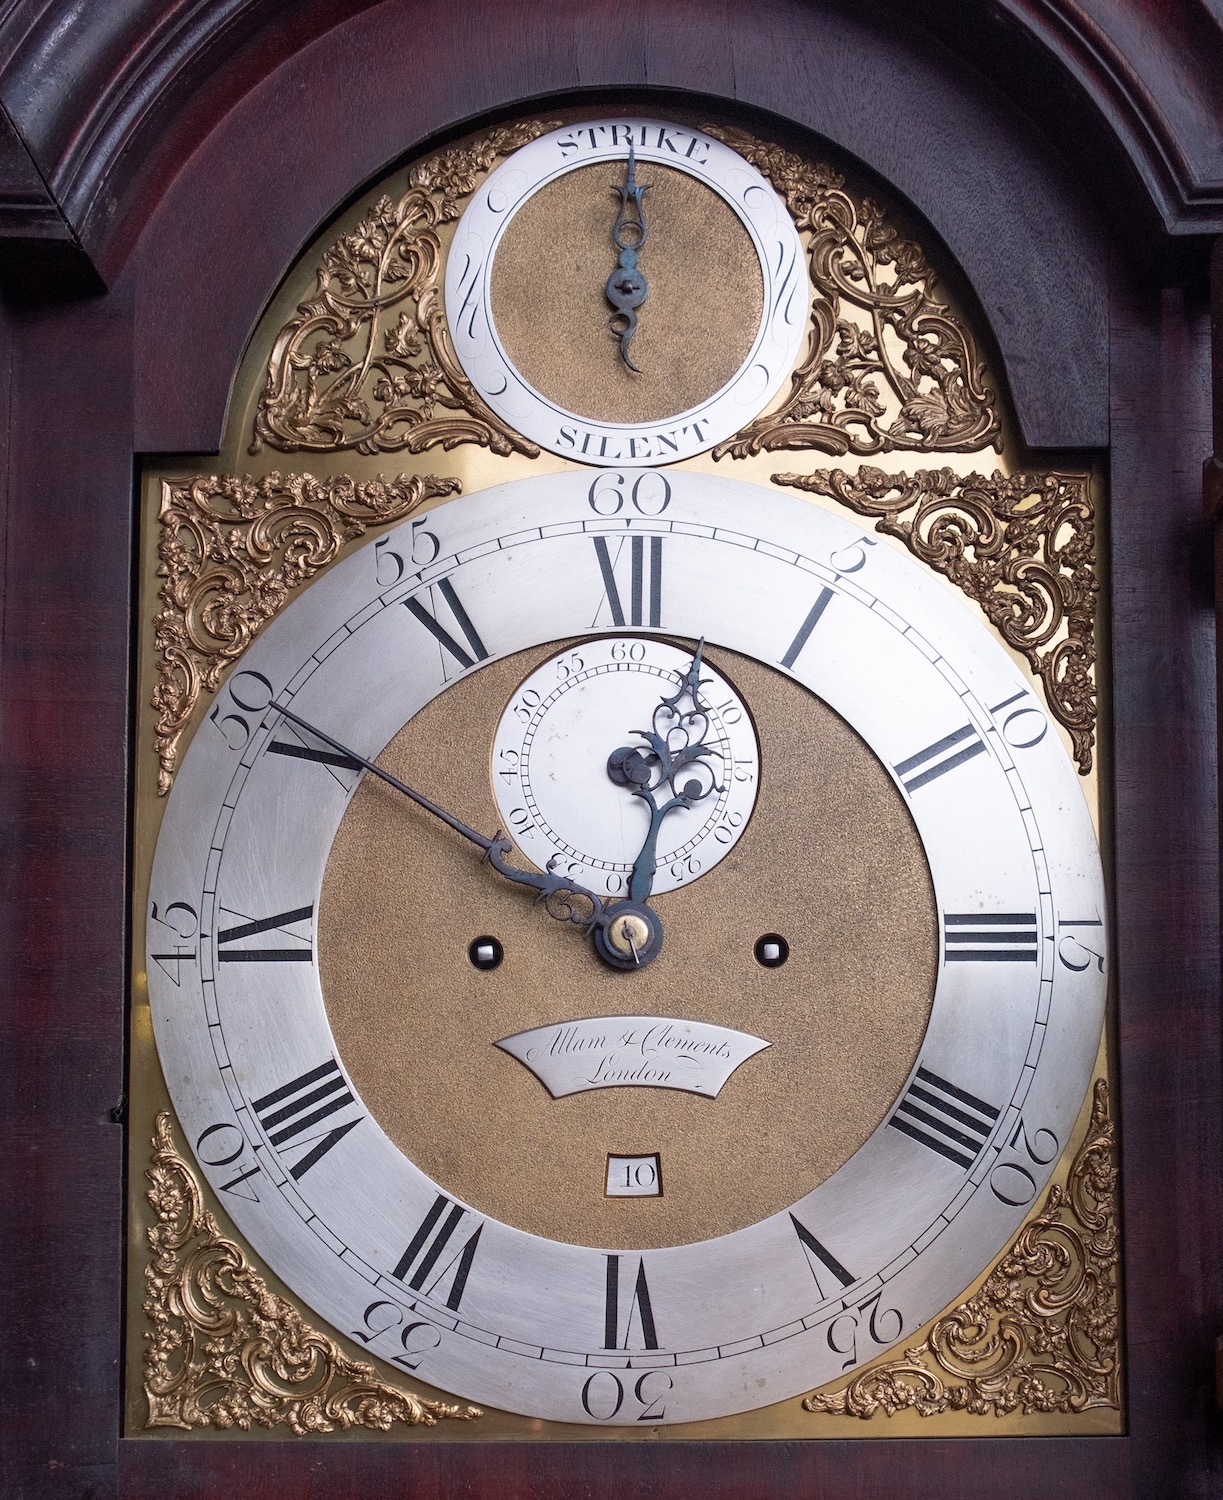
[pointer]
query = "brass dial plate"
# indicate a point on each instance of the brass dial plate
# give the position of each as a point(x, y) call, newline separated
point(518, 1319)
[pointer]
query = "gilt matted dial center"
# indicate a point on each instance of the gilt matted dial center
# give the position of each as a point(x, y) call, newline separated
point(828, 855)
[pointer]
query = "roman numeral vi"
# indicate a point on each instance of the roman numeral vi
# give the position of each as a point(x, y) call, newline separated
point(639, 1302)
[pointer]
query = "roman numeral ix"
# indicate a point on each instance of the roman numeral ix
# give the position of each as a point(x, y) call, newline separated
point(297, 950)
point(947, 1119)
point(1007, 937)
point(295, 1108)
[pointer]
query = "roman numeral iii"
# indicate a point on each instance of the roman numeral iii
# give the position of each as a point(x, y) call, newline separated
point(944, 1118)
point(1007, 937)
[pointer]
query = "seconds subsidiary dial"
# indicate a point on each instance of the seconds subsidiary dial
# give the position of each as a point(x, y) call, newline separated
point(564, 1183)
point(609, 764)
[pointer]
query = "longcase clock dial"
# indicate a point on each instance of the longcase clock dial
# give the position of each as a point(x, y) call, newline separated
point(684, 837)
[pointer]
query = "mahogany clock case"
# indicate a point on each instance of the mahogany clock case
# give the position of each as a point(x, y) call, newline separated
point(90, 384)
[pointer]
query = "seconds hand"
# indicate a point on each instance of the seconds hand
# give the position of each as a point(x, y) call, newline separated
point(626, 935)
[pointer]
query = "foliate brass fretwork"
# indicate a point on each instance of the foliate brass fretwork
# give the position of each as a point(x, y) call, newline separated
point(1041, 1334)
point(368, 363)
point(225, 1351)
point(1022, 546)
point(231, 551)
point(887, 365)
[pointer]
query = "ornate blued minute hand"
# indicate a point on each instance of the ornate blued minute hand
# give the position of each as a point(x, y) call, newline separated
point(622, 938)
point(626, 287)
point(671, 771)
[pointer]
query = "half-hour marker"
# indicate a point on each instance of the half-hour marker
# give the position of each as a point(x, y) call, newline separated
point(289, 1111)
point(945, 1118)
point(427, 1247)
point(981, 938)
point(937, 759)
point(478, 650)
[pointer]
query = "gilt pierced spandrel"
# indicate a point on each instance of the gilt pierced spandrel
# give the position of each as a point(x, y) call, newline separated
point(889, 366)
point(367, 362)
point(363, 362)
point(226, 1352)
point(1036, 1345)
point(231, 552)
point(1021, 546)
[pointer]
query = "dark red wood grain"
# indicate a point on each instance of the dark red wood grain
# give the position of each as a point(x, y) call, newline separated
point(255, 147)
point(102, 102)
point(63, 793)
point(1166, 883)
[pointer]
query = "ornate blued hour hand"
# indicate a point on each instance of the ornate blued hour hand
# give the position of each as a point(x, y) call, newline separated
point(626, 287)
point(620, 936)
point(670, 771)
